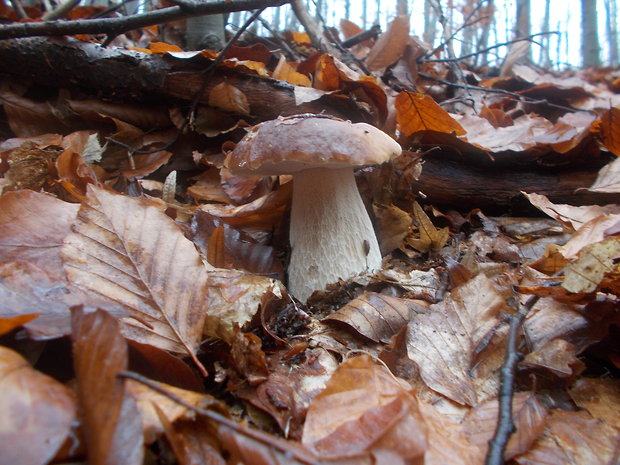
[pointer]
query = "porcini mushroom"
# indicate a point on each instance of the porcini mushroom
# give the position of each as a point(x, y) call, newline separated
point(331, 234)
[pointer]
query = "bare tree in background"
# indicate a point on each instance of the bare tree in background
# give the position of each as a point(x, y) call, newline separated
point(523, 26)
point(401, 7)
point(611, 27)
point(544, 57)
point(590, 49)
point(430, 22)
point(488, 14)
point(347, 9)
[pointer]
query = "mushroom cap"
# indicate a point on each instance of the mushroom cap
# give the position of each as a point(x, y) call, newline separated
point(294, 143)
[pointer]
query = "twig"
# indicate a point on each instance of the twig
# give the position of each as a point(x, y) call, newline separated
point(371, 33)
point(505, 425)
point(488, 49)
point(281, 41)
point(19, 9)
point(314, 30)
point(265, 439)
point(206, 74)
point(60, 11)
point(523, 98)
point(113, 26)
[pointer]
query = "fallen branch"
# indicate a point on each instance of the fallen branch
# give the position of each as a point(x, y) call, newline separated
point(115, 26)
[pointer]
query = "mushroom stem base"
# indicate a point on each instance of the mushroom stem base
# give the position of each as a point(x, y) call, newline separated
point(331, 234)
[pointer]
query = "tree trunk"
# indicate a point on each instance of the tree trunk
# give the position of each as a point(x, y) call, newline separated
point(347, 10)
point(545, 58)
point(611, 26)
point(590, 50)
point(485, 28)
point(523, 27)
point(364, 14)
point(401, 7)
point(430, 23)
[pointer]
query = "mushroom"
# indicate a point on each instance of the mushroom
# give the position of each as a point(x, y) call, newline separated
point(331, 235)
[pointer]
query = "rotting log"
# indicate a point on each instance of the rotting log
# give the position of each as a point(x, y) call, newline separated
point(120, 75)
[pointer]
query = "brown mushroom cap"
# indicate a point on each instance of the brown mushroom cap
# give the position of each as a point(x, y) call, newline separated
point(294, 143)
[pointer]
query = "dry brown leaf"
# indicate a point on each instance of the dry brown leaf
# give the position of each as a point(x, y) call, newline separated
point(29, 167)
point(596, 268)
point(575, 438)
point(559, 357)
point(37, 412)
point(110, 419)
point(32, 228)
point(448, 442)
point(149, 402)
point(419, 112)
point(569, 215)
point(193, 442)
point(377, 316)
point(132, 255)
point(600, 397)
point(393, 225)
point(389, 46)
point(443, 341)
point(595, 230)
point(608, 179)
point(431, 238)
point(529, 416)
point(608, 127)
point(285, 72)
point(365, 410)
point(229, 98)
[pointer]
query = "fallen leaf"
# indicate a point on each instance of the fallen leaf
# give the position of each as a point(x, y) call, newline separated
point(431, 239)
point(110, 419)
point(376, 316)
point(595, 230)
point(608, 127)
point(285, 72)
point(596, 268)
point(393, 225)
point(574, 437)
point(9, 324)
point(608, 179)
point(229, 98)
point(389, 46)
point(37, 412)
point(443, 340)
point(600, 397)
point(558, 357)
point(33, 226)
point(419, 112)
point(363, 410)
point(131, 254)
point(529, 416)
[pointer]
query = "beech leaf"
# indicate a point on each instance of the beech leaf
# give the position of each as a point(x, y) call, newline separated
point(132, 255)
point(110, 418)
point(419, 112)
point(229, 98)
point(37, 412)
point(443, 340)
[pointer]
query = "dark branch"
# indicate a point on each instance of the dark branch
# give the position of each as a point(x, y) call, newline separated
point(112, 26)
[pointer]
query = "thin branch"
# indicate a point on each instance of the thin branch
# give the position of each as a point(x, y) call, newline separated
point(505, 425)
point(19, 9)
point(314, 30)
point(281, 41)
point(281, 446)
point(61, 10)
point(488, 49)
point(112, 26)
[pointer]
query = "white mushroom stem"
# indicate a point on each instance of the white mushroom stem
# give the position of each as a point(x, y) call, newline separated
point(331, 234)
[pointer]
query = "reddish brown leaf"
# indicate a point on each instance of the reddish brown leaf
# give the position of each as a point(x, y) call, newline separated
point(37, 412)
point(9, 324)
point(389, 46)
point(574, 437)
point(442, 341)
point(600, 397)
point(364, 410)
point(529, 416)
point(32, 228)
point(229, 98)
point(110, 420)
point(418, 112)
point(131, 254)
point(558, 357)
point(608, 128)
point(376, 316)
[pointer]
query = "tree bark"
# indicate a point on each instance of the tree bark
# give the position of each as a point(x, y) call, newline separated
point(523, 27)
point(590, 49)
point(123, 75)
